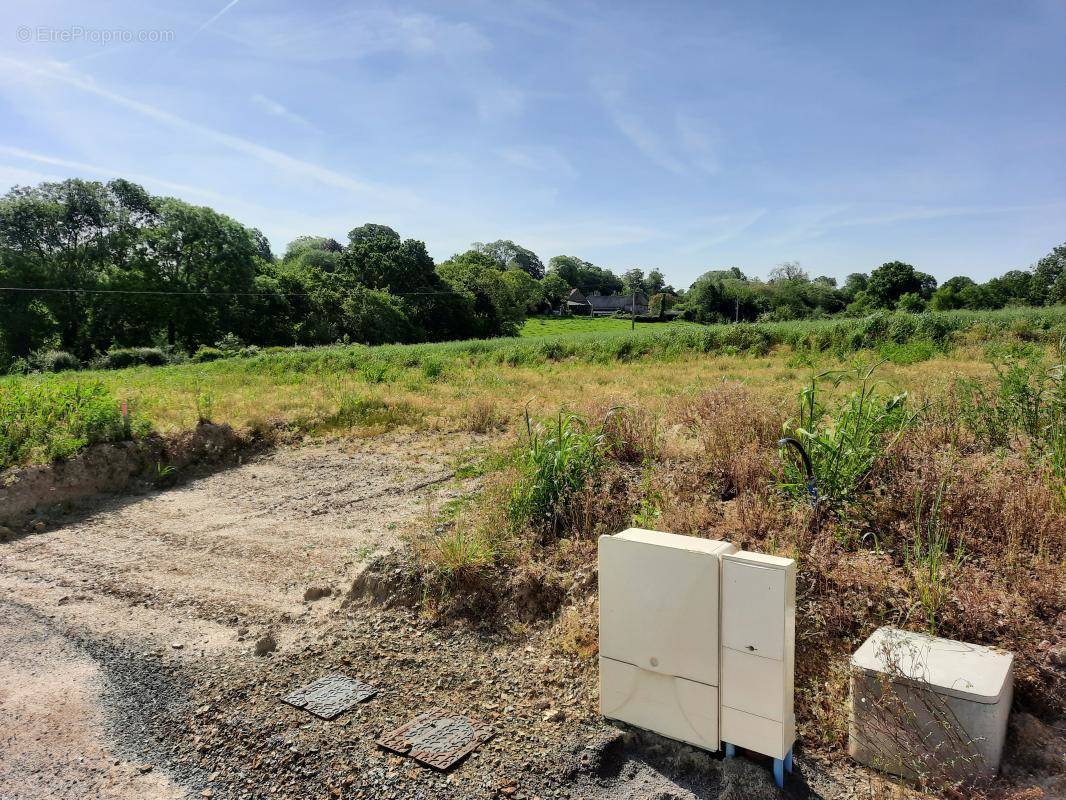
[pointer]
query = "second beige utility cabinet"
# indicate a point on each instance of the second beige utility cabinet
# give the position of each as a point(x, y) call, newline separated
point(758, 652)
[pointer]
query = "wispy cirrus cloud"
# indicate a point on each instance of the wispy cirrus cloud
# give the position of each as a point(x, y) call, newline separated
point(538, 159)
point(110, 172)
point(697, 143)
point(685, 148)
point(707, 233)
point(215, 17)
point(277, 109)
point(266, 155)
point(358, 33)
point(639, 133)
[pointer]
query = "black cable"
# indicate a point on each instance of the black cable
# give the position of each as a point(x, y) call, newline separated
point(808, 467)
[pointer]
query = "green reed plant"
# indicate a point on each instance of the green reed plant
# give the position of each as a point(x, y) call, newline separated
point(844, 440)
point(554, 462)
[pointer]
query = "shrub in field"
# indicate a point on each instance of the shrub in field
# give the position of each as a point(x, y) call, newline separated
point(52, 361)
point(205, 354)
point(844, 442)
point(931, 555)
point(481, 416)
point(630, 435)
point(747, 338)
point(908, 353)
point(554, 463)
point(121, 358)
point(55, 420)
point(432, 369)
point(374, 372)
point(735, 432)
point(460, 554)
point(205, 405)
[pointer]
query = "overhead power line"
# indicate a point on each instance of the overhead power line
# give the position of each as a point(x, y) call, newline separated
point(202, 294)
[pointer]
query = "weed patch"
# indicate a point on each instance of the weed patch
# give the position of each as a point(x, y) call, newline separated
point(554, 463)
point(371, 412)
point(50, 420)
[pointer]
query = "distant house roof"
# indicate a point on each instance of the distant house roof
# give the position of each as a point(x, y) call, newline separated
point(617, 302)
point(575, 297)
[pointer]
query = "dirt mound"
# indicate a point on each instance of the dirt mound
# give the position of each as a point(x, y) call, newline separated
point(107, 468)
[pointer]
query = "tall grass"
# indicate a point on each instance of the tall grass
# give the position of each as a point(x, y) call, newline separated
point(843, 442)
point(1026, 400)
point(929, 555)
point(553, 464)
point(837, 336)
point(286, 384)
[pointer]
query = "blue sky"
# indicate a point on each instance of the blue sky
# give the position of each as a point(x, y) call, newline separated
point(684, 136)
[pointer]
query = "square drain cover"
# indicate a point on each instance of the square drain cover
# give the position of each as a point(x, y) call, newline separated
point(437, 738)
point(330, 696)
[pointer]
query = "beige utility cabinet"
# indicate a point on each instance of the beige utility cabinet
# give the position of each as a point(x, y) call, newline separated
point(697, 641)
point(758, 653)
point(659, 623)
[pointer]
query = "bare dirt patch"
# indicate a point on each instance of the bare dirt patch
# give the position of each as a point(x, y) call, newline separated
point(197, 572)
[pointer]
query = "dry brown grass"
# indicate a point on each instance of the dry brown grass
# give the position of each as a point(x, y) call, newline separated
point(481, 415)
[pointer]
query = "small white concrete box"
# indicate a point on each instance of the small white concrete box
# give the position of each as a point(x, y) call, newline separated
point(659, 625)
point(923, 703)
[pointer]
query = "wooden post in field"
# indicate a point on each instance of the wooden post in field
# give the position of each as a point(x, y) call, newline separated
point(633, 312)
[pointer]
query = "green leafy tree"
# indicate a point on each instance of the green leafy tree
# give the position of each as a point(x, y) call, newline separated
point(567, 269)
point(377, 258)
point(1012, 288)
point(948, 296)
point(526, 289)
point(855, 282)
point(911, 302)
point(204, 264)
point(302, 244)
point(371, 230)
point(706, 302)
point(554, 288)
point(326, 304)
point(587, 278)
point(633, 281)
point(655, 282)
point(497, 309)
point(508, 255)
point(894, 279)
point(65, 237)
point(1049, 278)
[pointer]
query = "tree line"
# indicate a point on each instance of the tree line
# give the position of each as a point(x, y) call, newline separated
point(90, 268)
point(790, 292)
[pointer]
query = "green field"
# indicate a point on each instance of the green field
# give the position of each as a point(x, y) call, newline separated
point(45, 416)
point(561, 326)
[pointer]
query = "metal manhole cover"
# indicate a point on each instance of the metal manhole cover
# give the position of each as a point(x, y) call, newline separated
point(330, 696)
point(437, 738)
